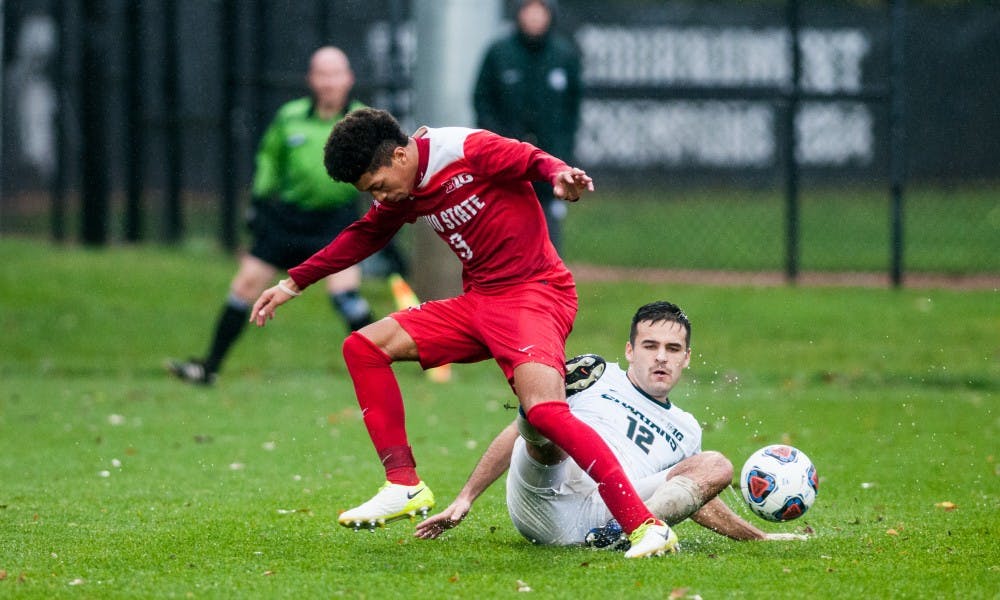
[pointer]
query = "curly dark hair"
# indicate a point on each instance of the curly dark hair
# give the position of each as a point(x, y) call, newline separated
point(362, 142)
point(655, 312)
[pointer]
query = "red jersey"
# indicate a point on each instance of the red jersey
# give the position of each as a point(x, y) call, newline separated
point(474, 189)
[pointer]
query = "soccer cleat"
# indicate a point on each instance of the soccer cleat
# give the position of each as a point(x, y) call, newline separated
point(582, 372)
point(652, 538)
point(611, 537)
point(392, 502)
point(191, 371)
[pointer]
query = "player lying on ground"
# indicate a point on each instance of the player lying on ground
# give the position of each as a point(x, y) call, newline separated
point(473, 188)
point(551, 500)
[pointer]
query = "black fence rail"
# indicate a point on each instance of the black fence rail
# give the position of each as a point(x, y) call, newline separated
point(138, 120)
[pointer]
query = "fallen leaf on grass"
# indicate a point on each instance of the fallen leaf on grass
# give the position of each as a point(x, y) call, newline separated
point(76, 581)
point(348, 414)
point(947, 506)
point(292, 511)
point(523, 587)
point(891, 531)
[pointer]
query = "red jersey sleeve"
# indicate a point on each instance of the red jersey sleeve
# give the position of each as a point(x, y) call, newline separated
point(507, 159)
point(361, 239)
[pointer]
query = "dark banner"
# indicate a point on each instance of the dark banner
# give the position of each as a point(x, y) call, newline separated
point(673, 88)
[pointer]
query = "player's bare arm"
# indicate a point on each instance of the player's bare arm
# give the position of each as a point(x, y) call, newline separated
point(494, 462)
point(718, 517)
point(271, 299)
point(570, 184)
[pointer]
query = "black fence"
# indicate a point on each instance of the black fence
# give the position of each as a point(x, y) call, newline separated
point(139, 120)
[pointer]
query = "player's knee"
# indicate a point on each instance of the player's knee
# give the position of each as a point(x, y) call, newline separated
point(360, 351)
point(245, 291)
point(720, 467)
point(252, 278)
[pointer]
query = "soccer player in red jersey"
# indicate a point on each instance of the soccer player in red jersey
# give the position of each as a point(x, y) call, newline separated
point(473, 188)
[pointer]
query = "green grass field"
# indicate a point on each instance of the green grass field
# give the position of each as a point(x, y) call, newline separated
point(121, 483)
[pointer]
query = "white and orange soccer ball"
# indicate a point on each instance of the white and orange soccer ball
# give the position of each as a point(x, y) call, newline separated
point(779, 483)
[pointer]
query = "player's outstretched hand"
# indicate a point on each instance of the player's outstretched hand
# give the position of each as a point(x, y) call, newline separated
point(270, 299)
point(571, 184)
point(435, 525)
point(785, 537)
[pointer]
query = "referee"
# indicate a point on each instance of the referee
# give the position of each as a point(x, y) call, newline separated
point(297, 209)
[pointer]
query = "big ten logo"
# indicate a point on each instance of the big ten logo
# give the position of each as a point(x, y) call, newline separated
point(456, 182)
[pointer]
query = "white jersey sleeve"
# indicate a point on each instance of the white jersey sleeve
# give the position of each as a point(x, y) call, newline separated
point(646, 436)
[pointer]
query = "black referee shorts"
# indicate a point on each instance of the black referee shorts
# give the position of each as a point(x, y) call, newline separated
point(285, 235)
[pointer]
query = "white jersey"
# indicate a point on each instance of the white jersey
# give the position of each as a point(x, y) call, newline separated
point(646, 436)
point(558, 504)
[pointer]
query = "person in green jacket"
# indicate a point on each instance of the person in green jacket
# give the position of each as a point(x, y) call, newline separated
point(297, 209)
point(529, 89)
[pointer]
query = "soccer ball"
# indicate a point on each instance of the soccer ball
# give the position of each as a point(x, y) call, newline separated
point(779, 483)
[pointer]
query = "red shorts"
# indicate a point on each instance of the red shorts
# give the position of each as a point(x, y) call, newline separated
point(524, 323)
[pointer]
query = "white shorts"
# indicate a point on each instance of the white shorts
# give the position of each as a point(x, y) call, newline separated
point(559, 504)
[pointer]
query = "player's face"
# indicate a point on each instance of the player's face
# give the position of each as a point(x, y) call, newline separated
point(391, 183)
point(659, 355)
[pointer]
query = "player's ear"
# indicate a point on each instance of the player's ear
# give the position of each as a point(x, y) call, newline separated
point(399, 154)
point(628, 351)
point(687, 359)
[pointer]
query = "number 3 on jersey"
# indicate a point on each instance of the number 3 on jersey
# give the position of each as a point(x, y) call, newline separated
point(461, 248)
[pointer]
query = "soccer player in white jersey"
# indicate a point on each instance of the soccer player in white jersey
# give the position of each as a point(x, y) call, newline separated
point(553, 501)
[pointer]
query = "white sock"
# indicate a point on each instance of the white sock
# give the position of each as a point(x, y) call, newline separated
point(675, 500)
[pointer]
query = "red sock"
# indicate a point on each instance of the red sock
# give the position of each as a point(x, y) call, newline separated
point(381, 406)
point(585, 446)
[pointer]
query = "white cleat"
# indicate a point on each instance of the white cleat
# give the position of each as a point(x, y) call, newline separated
point(392, 502)
point(652, 538)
